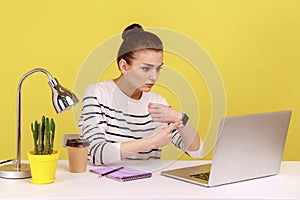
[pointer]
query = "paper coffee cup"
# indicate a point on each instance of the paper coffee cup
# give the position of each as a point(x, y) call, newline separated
point(77, 154)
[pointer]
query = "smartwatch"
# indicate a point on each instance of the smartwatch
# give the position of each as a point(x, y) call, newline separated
point(184, 120)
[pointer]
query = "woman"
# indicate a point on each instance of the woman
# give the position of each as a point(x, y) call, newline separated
point(122, 119)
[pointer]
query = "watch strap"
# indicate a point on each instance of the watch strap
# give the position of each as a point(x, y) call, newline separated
point(184, 120)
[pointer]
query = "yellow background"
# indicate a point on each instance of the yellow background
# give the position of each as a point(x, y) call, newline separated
point(254, 43)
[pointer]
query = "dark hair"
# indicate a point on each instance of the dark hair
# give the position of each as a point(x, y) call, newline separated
point(135, 39)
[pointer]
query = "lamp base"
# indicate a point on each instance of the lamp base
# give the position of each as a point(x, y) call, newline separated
point(10, 171)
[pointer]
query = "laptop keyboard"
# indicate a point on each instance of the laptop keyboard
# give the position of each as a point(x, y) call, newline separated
point(202, 176)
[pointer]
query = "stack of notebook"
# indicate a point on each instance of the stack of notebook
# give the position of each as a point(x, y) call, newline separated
point(121, 173)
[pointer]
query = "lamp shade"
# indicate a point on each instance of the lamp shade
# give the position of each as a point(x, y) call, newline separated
point(62, 98)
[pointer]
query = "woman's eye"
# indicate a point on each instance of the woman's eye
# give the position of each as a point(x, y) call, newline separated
point(146, 69)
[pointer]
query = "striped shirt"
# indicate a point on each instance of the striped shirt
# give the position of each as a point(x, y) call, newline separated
point(109, 117)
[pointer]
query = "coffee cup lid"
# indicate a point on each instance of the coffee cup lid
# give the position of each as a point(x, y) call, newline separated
point(77, 142)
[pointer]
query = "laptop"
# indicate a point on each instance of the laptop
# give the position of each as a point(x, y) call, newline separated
point(247, 147)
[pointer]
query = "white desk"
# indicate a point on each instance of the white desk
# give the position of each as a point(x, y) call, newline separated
point(285, 185)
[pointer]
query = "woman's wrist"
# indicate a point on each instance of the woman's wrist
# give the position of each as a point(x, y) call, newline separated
point(133, 147)
point(177, 117)
point(147, 144)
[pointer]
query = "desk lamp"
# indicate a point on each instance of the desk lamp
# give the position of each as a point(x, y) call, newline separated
point(62, 100)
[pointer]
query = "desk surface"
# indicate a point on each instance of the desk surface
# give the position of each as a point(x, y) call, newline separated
point(285, 185)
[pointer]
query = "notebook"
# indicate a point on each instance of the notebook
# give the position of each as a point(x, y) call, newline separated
point(125, 174)
point(247, 147)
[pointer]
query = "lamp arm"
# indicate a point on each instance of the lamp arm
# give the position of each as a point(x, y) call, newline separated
point(31, 72)
point(18, 158)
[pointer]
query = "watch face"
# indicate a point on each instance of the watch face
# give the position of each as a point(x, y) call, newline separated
point(185, 119)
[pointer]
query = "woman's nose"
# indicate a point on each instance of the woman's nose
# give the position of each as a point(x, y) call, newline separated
point(154, 75)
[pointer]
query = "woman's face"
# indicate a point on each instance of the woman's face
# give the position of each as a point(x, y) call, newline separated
point(144, 69)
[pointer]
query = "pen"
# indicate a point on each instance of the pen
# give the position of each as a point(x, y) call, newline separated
point(111, 171)
point(6, 161)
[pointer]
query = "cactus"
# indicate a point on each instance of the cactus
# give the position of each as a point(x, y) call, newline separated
point(35, 131)
point(43, 136)
point(52, 128)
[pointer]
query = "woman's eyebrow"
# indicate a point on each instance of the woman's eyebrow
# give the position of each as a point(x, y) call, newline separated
point(152, 65)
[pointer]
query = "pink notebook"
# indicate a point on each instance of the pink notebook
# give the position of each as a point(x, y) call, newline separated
point(125, 174)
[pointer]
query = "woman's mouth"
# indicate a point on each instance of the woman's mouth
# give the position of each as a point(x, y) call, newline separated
point(149, 85)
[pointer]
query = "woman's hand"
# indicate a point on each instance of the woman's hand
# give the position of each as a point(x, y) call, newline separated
point(163, 113)
point(161, 136)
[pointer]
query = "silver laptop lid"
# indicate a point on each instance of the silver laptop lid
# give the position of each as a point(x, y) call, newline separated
point(249, 147)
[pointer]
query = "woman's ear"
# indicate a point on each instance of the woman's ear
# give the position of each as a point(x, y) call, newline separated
point(123, 66)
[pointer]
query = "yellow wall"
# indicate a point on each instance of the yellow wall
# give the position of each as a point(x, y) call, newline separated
point(254, 44)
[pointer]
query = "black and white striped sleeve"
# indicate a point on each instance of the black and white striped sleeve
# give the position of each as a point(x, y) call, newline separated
point(178, 142)
point(93, 125)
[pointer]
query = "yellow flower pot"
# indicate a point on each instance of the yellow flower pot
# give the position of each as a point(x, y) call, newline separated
point(43, 167)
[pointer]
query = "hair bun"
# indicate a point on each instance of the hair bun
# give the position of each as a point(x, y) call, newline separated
point(131, 29)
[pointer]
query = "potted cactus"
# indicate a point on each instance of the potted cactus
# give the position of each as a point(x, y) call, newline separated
point(43, 136)
point(43, 158)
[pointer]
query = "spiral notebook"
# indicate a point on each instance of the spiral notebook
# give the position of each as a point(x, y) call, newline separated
point(125, 174)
